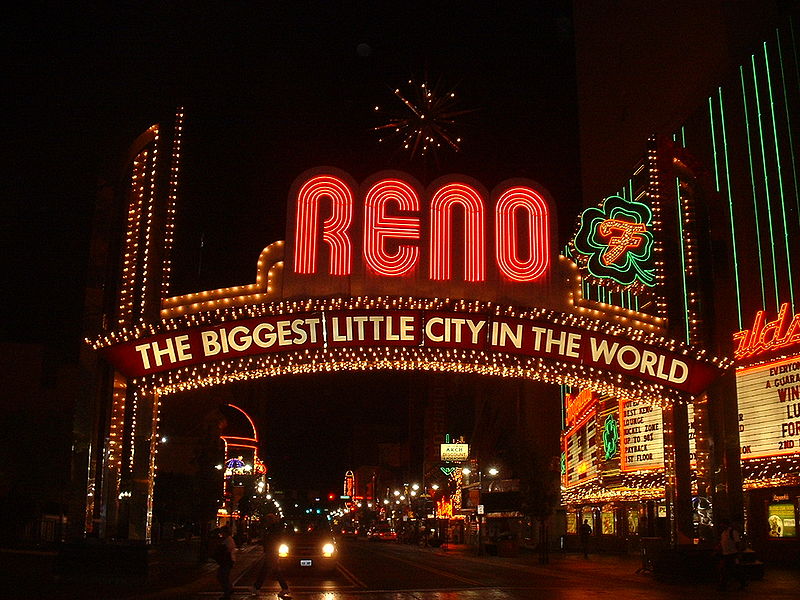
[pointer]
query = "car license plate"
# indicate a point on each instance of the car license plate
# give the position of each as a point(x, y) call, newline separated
point(305, 562)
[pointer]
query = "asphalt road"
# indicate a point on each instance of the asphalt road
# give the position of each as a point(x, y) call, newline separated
point(390, 571)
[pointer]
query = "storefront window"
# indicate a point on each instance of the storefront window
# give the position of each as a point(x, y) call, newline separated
point(781, 520)
point(633, 521)
point(607, 521)
point(572, 521)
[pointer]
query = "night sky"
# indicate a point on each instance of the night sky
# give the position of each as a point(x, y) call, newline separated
point(268, 93)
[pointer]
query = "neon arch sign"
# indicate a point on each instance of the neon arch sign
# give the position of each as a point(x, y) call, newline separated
point(400, 227)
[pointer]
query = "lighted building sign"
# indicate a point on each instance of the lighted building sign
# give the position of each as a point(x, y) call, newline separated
point(349, 484)
point(763, 338)
point(395, 225)
point(454, 452)
point(769, 408)
point(616, 241)
point(578, 404)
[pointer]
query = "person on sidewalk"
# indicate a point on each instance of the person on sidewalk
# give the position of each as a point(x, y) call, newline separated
point(223, 554)
point(586, 533)
point(270, 539)
point(730, 548)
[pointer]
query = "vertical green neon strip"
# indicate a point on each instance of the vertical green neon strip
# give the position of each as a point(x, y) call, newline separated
point(713, 142)
point(683, 257)
point(683, 136)
point(766, 186)
point(789, 126)
point(780, 179)
point(794, 52)
point(730, 207)
point(753, 187)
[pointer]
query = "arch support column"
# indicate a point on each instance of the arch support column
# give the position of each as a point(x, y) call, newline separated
point(143, 466)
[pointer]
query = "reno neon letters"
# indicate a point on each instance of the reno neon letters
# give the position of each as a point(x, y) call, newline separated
point(396, 222)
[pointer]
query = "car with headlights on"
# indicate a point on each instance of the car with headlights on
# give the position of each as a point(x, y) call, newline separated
point(308, 543)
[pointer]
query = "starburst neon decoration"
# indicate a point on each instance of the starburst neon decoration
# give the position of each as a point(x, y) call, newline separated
point(424, 122)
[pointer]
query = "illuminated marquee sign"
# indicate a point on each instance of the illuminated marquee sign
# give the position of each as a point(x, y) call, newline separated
point(425, 330)
point(399, 225)
point(769, 408)
point(763, 338)
point(616, 241)
point(642, 436)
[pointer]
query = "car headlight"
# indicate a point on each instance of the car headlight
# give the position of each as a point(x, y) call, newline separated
point(328, 549)
point(283, 550)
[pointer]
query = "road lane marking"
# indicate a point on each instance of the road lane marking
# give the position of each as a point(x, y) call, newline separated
point(436, 571)
point(350, 576)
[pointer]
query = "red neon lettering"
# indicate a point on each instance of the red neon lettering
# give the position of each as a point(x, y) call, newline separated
point(442, 205)
point(334, 228)
point(576, 404)
point(511, 203)
point(379, 227)
point(762, 338)
point(629, 237)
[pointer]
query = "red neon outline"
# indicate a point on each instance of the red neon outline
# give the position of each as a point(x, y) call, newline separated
point(441, 229)
point(512, 201)
point(334, 228)
point(788, 330)
point(379, 227)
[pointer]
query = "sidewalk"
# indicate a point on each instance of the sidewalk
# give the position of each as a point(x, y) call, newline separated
point(778, 581)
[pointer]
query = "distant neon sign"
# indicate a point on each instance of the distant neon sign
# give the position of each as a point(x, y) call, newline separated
point(396, 220)
point(768, 337)
point(616, 241)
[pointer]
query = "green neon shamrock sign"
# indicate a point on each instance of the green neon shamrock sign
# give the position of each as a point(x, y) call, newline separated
point(617, 241)
point(610, 437)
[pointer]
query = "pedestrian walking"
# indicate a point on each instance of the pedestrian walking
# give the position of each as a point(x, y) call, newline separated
point(223, 554)
point(730, 548)
point(269, 565)
point(586, 532)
